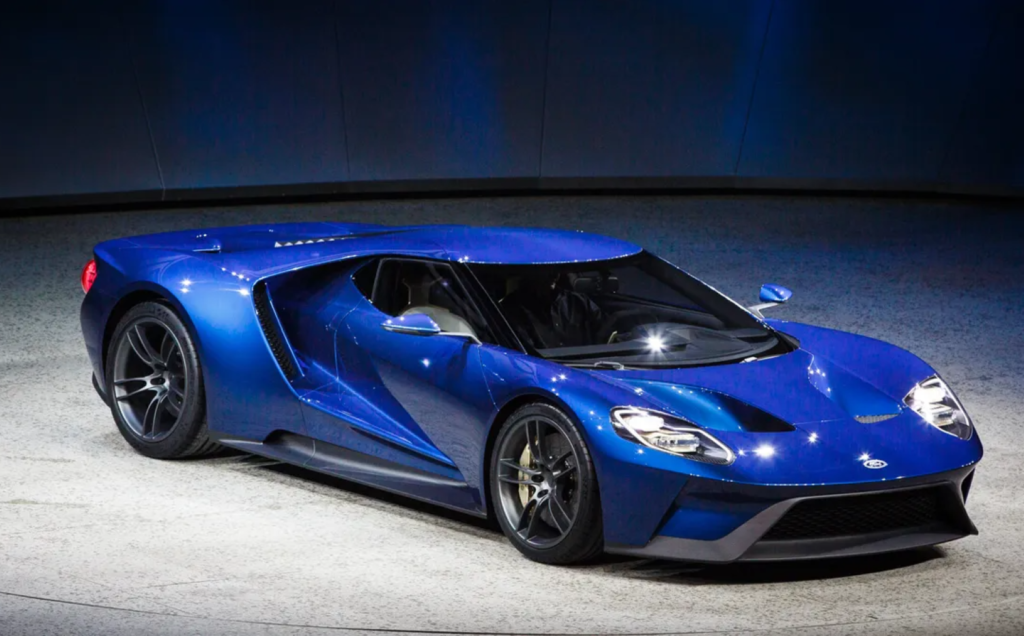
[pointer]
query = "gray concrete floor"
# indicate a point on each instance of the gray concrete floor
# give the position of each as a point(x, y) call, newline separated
point(95, 539)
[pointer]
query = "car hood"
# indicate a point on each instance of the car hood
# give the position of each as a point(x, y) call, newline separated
point(803, 418)
point(797, 388)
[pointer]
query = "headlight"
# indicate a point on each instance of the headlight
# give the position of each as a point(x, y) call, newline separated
point(935, 403)
point(669, 434)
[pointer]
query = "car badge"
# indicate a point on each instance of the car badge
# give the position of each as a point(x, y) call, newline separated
point(875, 463)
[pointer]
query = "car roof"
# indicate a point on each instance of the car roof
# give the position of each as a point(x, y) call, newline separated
point(271, 248)
point(462, 243)
point(522, 246)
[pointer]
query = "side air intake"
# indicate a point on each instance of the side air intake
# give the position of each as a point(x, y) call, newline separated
point(272, 330)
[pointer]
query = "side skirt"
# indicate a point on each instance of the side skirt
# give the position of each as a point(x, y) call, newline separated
point(361, 468)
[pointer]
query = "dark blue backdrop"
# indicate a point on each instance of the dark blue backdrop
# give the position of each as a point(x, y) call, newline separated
point(208, 98)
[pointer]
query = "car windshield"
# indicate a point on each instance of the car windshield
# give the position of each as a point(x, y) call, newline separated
point(638, 311)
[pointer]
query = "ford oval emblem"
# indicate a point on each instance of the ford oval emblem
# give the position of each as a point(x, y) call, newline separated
point(875, 463)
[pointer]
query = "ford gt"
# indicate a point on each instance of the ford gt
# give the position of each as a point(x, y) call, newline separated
point(585, 394)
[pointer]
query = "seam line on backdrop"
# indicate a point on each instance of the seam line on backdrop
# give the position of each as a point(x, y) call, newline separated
point(544, 93)
point(149, 126)
point(972, 85)
point(753, 89)
point(341, 93)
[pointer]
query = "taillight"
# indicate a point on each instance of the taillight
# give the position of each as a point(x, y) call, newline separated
point(88, 275)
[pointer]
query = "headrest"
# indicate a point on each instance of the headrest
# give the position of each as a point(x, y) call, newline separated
point(591, 284)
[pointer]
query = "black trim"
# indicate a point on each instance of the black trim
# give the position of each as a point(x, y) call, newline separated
point(522, 186)
point(382, 474)
point(965, 486)
point(745, 544)
point(271, 327)
point(881, 512)
point(490, 311)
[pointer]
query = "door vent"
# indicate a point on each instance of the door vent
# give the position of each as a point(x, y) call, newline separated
point(272, 330)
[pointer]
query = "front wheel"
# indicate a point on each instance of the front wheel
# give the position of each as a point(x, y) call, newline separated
point(544, 487)
point(156, 384)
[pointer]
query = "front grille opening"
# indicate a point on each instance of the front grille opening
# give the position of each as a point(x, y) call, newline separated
point(861, 514)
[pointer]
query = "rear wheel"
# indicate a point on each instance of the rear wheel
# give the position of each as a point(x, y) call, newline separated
point(544, 487)
point(156, 384)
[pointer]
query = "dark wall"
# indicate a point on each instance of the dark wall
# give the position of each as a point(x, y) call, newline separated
point(190, 98)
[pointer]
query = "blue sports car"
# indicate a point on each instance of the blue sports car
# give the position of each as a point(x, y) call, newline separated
point(582, 392)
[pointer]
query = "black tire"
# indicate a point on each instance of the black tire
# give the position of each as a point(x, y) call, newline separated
point(541, 527)
point(149, 379)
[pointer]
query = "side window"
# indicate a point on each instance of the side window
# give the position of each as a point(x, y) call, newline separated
point(364, 277)
point(406, 287)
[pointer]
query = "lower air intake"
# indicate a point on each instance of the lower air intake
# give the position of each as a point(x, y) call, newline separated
point(860, 514)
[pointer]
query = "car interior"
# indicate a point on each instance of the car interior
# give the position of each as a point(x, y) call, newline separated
point(405, 287)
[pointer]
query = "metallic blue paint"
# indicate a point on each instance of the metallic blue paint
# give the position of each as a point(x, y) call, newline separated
point(431, 403)
point(771, 293)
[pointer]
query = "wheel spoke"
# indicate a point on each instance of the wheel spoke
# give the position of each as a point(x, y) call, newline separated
point(525, 517)
point(174, 390)
point(568, 470)
point(132, 394)
point(158, 413)
point(124, 381)
point(557, 514)
point(531, 527)
point(563, 520)
point(514, 465)
point(167, 347)
point(508, 479)
point(533, 438)
point(561, 458)
point(141, 346)
point(172, 408)
point(149, 419)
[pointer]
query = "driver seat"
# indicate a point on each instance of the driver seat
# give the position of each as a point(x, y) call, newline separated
point(419, 303)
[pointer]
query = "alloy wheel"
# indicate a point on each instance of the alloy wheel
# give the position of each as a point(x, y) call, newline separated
point(537, 473)
point(150, 379)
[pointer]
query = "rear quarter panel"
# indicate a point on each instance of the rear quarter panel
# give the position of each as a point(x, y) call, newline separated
point(246, 394)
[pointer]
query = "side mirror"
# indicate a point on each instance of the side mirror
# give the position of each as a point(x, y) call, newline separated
point(422, 325)
point(776, 294)
point(413, 325)
point(770, 296)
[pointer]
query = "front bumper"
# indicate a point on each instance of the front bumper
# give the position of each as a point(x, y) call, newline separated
point(810, 522)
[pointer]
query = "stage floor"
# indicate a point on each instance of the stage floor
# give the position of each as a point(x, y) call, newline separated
point(96, 539)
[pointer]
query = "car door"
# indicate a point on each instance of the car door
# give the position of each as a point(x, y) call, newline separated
point(423, 396)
